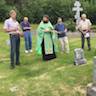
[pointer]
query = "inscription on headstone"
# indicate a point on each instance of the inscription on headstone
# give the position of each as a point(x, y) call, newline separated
point(79, 57)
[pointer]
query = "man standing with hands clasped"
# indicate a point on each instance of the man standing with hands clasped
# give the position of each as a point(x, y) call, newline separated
point(84, 27)
point(26, 27)
point(62, 35)
point(11, 26)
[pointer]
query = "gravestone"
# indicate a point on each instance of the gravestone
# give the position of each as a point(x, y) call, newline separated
point(91, 88)
point(79, 57)
point(77, 8)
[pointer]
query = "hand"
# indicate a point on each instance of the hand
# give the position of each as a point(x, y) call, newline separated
point(20, 33)
point(56, 32)
point(66, 30)
point(84, 32)
point(26, 28)
point(46, 30)
point(89, 30)
point(14, 29)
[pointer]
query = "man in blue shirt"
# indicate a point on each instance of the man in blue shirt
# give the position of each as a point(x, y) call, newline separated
point(25, 25)
point(60, 28)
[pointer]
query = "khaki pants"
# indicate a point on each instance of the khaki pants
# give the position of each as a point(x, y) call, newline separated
point(65, 44)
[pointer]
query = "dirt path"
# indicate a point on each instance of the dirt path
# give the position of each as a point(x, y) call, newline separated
point(77, 34)
point(74, 34)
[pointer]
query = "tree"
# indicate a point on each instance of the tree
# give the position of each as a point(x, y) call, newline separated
point(4, 9)
point(35, 9)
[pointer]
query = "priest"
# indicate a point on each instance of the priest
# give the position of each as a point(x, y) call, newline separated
point(46, 39)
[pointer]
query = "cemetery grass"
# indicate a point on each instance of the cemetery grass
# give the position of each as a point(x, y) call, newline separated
point(35, 77)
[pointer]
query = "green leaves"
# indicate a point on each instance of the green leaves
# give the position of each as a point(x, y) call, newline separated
point(35, 9)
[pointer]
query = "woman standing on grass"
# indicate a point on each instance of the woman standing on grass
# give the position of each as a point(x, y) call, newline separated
point(25, 25)
point(45, 39)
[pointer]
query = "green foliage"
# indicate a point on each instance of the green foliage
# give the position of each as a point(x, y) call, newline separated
point(70, 24)
point(35, 9)
point(3, 10)
point(89, 9)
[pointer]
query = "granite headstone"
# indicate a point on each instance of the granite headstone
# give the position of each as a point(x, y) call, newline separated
point(79, 58)
point(91, 88)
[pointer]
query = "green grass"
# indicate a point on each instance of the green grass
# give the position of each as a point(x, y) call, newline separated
point(35, 77)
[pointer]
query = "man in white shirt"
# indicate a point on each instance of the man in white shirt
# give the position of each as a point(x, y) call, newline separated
point(11, 26)
point(84, 27)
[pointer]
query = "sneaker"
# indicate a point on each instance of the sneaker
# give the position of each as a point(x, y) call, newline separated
point(26, 51)
point(31, 50)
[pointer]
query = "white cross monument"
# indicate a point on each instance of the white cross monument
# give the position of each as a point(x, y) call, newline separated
point(77, 7)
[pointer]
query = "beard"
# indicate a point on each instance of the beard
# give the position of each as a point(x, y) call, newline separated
point(45, 21)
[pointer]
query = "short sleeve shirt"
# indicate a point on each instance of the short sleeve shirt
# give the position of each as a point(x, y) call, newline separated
point(60, 28)
point(10, 24)
point(84, 25)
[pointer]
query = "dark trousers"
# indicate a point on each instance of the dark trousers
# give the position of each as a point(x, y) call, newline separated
point(83, 41)
point(15, 47)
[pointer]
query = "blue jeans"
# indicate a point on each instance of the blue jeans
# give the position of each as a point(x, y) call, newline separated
point(28, 40)
point(15, 48)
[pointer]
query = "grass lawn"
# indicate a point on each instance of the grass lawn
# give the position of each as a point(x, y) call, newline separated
point(35, 77)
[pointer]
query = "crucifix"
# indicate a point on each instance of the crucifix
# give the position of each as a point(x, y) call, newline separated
point(77, 8)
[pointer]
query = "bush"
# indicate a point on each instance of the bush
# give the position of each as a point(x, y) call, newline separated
point(35, 9)
point(70, 24)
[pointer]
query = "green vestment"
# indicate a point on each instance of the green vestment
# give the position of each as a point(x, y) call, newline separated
point(49, 38)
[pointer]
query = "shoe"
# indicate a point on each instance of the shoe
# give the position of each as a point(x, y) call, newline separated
point(18, 64)
point(89, 49)
point(31, 51)
point(26, 51)
point(12, 67)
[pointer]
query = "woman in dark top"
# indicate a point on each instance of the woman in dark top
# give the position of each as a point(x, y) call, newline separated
point(27, 34)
